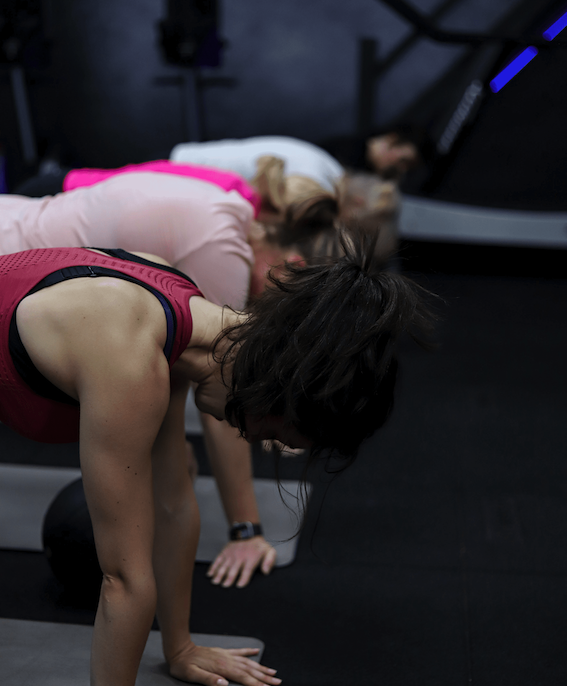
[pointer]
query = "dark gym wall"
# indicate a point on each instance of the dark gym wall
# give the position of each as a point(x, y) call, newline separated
point(103, 105)
point(106, 99)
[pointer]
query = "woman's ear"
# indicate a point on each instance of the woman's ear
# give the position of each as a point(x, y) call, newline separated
point(257, 231)
point(296, 259)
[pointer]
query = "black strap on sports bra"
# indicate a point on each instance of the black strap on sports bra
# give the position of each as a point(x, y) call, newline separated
point(22, 361)
point(125, 255)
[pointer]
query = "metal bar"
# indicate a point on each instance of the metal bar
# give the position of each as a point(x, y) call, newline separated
point(424, 26)
point(367, 48)
point(191, 102)
point(23, 114)
point(476, 64)
point(401, 49)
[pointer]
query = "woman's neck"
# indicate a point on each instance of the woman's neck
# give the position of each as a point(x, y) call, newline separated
point(209, 320)
point(197, 361)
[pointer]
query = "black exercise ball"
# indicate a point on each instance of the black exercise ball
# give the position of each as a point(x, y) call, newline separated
point(68, 542)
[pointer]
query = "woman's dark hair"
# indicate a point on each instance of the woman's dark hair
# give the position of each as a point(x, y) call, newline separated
point(318, 348)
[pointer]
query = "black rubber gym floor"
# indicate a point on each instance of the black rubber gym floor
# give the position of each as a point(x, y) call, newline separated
point(439, 557)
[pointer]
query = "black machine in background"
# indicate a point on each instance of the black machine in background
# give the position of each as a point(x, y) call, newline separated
point(189, 33)
point(448, 109)
point(189, 38)
point(21, 33)
point(23, 45)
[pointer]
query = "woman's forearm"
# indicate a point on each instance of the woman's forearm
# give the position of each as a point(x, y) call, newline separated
point(123, 620)
point(230, 458)
point(175, 548)
point(177, 525)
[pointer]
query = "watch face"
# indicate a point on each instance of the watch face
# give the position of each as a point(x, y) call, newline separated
point(244, 530)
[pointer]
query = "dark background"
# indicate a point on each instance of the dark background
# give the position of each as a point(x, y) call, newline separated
point(439, 557)
point(101, 92)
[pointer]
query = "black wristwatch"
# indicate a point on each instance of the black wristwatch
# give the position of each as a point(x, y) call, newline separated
point(242, 531)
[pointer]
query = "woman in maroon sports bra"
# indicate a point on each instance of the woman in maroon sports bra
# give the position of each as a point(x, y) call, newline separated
point(120, 337)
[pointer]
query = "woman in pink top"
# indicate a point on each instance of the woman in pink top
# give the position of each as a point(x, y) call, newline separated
point(190, 223)
point(228, 181)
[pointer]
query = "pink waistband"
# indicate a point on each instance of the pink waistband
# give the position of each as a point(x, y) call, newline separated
point(228, 181)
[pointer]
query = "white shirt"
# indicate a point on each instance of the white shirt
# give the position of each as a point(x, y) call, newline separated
point(241, 155)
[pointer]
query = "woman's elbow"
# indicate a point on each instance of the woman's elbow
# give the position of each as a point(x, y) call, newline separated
point(124, 585)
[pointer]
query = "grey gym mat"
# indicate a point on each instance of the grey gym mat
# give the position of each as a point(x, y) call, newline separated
point(47, 654)
point(27, 491)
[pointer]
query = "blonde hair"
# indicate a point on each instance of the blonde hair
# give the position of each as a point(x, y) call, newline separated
point(300, 188)
point(277, 191)
point(269, 182)
point(305, 213)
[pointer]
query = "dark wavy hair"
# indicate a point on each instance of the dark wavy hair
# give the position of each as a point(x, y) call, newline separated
point(318, 348)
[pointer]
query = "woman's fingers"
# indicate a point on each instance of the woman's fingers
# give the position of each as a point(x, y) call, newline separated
point(258, 671)
point(243, 651)
point(202, 676)
point(216, 666)
point(269, 561)
point(245, 674)
point(238, 561)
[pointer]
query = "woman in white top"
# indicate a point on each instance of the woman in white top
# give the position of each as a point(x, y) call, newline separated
point(242, 155)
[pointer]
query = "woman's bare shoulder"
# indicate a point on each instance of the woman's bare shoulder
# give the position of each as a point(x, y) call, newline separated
point(101, 325)
point(80, 310)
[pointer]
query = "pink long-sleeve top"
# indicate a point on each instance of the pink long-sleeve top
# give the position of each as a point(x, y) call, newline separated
point(193, 224)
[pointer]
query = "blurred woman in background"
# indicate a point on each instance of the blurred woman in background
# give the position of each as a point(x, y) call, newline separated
point(362, 173)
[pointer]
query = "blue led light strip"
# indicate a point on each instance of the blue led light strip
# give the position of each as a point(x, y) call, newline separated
point(515, 66)
point(525, 57)
point(555, 29)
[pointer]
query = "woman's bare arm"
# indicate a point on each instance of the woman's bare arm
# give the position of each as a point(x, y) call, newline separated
point(175, 547)
point(119, 422)
point(231, 462)
point(100, 340)
point(177, 524)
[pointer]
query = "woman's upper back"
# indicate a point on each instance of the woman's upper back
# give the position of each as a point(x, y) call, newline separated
point(241, 155)
point(166, 215)
point(72, 325)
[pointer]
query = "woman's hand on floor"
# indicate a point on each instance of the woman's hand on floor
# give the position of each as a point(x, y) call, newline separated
point(241, 559)
point(217, 666)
